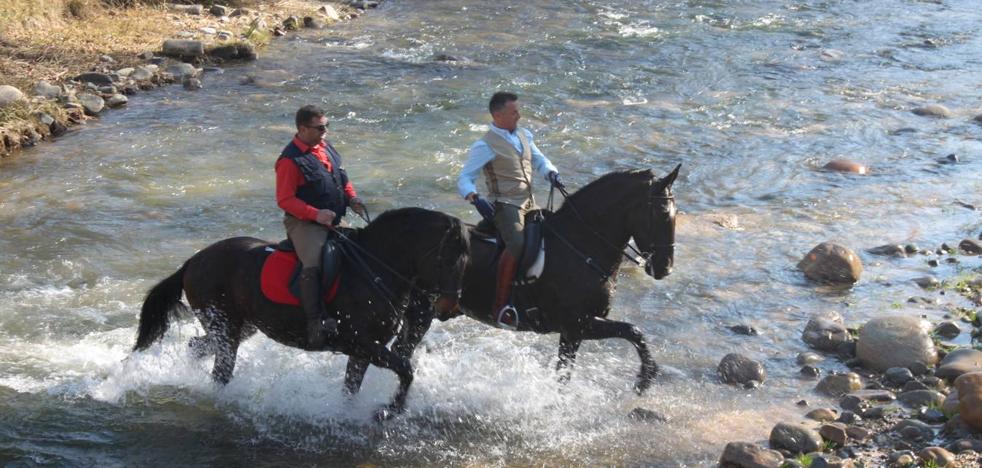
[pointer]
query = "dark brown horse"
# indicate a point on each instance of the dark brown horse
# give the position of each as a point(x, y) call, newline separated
point(584, 244)
point(401, 251)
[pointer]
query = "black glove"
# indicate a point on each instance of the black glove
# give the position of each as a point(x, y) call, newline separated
point(554, 179)
point(484, 207)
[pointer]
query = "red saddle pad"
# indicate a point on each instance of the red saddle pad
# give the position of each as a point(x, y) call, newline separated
point(275, 279)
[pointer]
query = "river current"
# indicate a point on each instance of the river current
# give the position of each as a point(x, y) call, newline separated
point(752, 97)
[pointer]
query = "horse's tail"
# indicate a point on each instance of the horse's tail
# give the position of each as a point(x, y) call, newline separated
point(164, 299)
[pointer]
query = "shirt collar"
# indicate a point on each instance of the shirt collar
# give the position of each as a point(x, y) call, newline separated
point(503, 131)
point(305, 147)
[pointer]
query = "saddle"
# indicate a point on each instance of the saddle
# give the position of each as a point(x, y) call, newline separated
point(533, 258)
point(530, 265)
point(280, 277)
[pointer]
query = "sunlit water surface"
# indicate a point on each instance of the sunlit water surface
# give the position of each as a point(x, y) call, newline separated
point(752, 97)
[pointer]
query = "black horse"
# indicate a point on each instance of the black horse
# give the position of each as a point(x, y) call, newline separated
point(409, 249)
point(584, 242)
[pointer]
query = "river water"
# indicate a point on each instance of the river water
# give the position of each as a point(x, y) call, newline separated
point(753, 97)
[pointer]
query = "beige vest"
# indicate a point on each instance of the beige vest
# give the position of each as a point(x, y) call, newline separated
point(509, 174)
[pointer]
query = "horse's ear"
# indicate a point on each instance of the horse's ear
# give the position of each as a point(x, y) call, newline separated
point(668, 180)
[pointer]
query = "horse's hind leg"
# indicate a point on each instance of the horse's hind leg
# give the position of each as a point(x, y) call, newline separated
point(226, 334)
point(201, 346)
point(598, 329)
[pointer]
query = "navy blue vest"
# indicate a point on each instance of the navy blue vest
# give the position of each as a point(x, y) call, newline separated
point(321, 189)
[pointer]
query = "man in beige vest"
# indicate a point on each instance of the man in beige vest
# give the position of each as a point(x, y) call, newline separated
point(507, 157)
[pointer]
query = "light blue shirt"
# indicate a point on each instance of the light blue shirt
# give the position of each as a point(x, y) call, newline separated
point(481, 154)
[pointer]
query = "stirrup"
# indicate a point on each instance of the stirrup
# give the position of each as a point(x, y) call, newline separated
point(507, 318)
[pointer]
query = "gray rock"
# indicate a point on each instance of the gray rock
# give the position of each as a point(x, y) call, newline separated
point(743, 329)
point(890, 250)
point(46, 90)
point(808, 357)
point(141, 73)
point(92, 103)
point(208, 30)
point(268, 78)
point(839, 384)
point(794, 438)
point(241, 12)
point(187, 9)
point(970, 246)
point(191, 83)
point(738, 369)
point(835, 433)
point(927, 282)
point(914, 427)
point(854, 400)
point(125, 72)
point(826, 332)
point(831, 263)
point(898, 376)
point(965, 445)
point(238, 51)
point(748, 455)
point(931, 415)
point(895, 341)
point(933, 110)
point(45, 119)
point(810, 372)
point(107, 90)
point(363, 4)
point(958, 362)
point(224, 35)
point(183, 48)
point(857, 433)
point(219, 10)
point(822, 414)
point(182, 70)
point(98, 79)
point(116, 100)
point(312, 23)
point(646, 415)
point(917, 398)
point(938, 455)
point(948, 329)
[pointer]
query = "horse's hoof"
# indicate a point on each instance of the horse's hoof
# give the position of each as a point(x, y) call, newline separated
point(386, 413)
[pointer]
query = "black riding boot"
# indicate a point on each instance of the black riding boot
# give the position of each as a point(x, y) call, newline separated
point(319, 327)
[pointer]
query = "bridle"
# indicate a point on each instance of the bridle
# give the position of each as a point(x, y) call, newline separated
point(640, 257)
point(358, 256)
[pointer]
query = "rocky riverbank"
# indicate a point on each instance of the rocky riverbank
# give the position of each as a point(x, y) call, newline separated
point(913, 392)
point(95, 55)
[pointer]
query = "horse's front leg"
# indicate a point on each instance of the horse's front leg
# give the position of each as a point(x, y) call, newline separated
point(419, 316)
point(567, 356)
point(598, 329)
point(354, 374)
point(380, 356)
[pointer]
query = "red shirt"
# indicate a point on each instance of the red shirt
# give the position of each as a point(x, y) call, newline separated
point(289, 179)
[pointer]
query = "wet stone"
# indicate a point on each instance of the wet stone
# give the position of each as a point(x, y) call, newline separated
point(848, 417)
point(808, 358)
point(821, 414)
point(744, 330)
point(646, 415)
point(839, 384)
point(811, 372)
point(890, 250)
point(947, 329)
point(931, 416)
point(927, 282)
point(898, 376)
point(970, 246)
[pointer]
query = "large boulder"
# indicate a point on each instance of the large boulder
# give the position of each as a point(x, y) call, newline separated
point(237, 51)
point(98, 79)
point(933, 110)
point(969, 388)
point(748, 455)
point(10, 95)
point(896, 341)
point(738, 369)
point(832, 263)
point(91, 103)
point(183, 48)
point(844, 165)
point(47, 90)
point(826, 332)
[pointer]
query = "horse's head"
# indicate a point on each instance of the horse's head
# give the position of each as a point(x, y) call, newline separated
point(441, 268)
point(652, 226)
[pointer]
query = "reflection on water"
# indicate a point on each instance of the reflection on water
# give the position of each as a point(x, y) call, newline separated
point(753, 98)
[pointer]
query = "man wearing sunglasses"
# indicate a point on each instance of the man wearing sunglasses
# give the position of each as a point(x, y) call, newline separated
point(314, 191)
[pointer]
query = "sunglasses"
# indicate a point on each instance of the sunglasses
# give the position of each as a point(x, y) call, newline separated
point(320, 128)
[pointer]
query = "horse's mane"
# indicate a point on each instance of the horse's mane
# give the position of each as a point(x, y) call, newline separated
point(399, 220)
point(612, 186)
